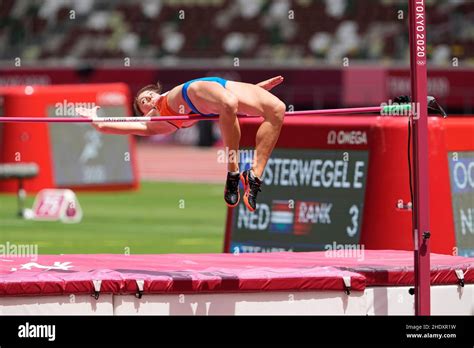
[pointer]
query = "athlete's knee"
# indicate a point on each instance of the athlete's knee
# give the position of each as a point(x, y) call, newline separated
point(280, 110)
point(276, 110)
point(229, 104)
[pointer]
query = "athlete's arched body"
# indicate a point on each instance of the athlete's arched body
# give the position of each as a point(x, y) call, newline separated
point(222, 98)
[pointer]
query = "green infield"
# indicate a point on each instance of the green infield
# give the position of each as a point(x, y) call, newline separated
point(158, 218)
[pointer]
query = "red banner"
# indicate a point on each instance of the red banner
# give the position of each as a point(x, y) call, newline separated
point(313, 88)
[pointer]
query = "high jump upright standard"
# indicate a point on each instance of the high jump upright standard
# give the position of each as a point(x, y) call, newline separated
point(421, 216)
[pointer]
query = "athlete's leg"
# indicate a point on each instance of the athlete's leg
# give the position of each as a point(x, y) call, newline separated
point(210, 98)
point(254, 100)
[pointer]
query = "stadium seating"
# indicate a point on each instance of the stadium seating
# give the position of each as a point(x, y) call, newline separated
point(322, 31)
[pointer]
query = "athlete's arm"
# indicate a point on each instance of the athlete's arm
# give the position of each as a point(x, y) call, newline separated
point(162, 127)
point(124, 128)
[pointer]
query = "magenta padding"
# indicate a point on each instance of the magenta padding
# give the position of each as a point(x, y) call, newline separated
point(201, 273)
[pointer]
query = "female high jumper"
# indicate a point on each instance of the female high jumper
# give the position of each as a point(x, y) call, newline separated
point(213, 96)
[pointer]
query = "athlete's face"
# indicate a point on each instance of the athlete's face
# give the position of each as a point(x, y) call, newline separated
point(147, 100)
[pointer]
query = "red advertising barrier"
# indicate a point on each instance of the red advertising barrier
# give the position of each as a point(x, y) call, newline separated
point(337, 181)
point(309, 88)
point(68, 155)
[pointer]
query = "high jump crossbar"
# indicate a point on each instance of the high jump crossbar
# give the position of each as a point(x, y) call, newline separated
point(404, 109)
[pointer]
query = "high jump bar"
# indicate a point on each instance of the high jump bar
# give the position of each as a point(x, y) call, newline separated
point(388, 109)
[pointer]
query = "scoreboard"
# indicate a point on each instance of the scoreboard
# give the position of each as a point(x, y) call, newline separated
point(69, 155)
point(336, 182)
point(461, 170)
point(309, 199)
point(84, 156)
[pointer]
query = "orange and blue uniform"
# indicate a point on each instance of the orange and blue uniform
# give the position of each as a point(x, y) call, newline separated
point(165, 110)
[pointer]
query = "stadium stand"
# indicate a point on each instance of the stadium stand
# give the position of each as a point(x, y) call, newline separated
point(276, 31)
